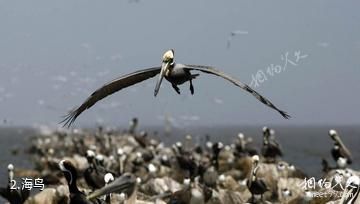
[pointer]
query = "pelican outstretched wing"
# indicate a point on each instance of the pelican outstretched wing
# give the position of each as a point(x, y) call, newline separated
point(212, 70)
point(110, 88)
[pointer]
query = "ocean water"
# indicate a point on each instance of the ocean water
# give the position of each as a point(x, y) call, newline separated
point(13, 139)
point(303, 146)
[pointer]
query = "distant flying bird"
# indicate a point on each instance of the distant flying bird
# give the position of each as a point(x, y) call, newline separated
point(323, 44)
point(173, 72)
point(233, 34)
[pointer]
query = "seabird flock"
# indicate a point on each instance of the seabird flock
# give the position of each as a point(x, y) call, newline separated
point(175, 73)
point(129, 167)
point(112, 166)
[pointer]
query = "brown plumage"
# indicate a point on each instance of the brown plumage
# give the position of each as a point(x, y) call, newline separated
point(175, 73)
point(110, 88)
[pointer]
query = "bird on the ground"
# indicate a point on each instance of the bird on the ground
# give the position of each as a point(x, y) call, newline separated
point(256, 185)
point(93, 176)
point(243, 146)
point(271, 148)
point(126, 184)
point(340, 152)
point(71, 175)
point(133, 125)
point(11, 192)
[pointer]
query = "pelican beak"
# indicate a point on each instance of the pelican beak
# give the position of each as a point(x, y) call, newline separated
point(339, 141)
point(164, 68)
point(124, 184)
point(11, 176)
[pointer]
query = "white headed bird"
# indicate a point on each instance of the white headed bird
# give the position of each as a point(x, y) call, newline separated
point(173, 72)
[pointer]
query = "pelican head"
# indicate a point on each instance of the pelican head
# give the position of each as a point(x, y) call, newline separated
point(100, 159)
point(333, 134)
point(68, 170)
point(186, 181)
point(120, 151)
point(10, 168)
point(90, 154)
point(168, 56)
point(167, 62)
point(124, 184)
point(265, 129)
point(241, 136)
point(254, 168)
point(255, 159)
point(266, 132)
point(108, 178)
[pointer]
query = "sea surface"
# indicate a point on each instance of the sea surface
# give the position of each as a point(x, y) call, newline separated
point(303, 146)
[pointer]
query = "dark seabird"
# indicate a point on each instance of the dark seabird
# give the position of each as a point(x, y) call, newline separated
point(14, 196)
point(339, 152)
point(188, 164)
point(142, 139)
point(243, 146)
point(175, 73)
point(133, 125)
point(256, 186)
point(70, 173)
point(271, 149)
point(93, 176)
point(182, 196)
point(216, 149)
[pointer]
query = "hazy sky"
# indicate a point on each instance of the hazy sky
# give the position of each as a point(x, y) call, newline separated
point(53, 54)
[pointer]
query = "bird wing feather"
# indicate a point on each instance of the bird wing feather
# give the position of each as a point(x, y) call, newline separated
point(214, 71)
point(110, 88)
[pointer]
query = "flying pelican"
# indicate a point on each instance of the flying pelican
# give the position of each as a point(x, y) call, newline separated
point(175, 73)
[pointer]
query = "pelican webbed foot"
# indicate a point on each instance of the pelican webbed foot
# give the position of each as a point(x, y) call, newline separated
point(191, 88)
point(176, 88)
